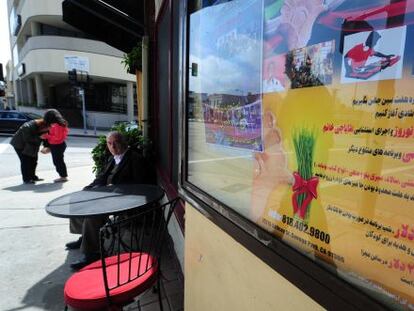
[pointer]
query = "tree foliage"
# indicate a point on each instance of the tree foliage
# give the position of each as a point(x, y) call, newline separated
point(133, 60)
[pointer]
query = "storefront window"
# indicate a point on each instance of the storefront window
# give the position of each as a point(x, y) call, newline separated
point(15, 56)
point(301, 119)
point(119, 98)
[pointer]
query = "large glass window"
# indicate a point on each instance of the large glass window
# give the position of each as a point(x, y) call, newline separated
point(15, 55)
point(119, 98)
point(15, 22)
point(48, 30)
point(301, 119)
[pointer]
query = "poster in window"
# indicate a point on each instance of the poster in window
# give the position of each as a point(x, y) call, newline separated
point(274, 77)
point(342, 184)
point(330, 88)
point(373, 55)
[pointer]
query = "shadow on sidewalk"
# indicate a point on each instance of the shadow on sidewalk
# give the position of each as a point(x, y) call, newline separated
point(44, 187)
point(47, 293)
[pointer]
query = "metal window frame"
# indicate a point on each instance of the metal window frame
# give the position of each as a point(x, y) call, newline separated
point(166, 176)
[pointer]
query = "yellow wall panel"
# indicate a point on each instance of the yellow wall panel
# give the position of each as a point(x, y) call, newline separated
point(220, 274)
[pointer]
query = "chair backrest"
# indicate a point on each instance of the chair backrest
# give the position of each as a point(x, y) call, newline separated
point(132, 246)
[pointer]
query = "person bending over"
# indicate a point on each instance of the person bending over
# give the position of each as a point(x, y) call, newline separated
point(125, 166)
point(26, 142)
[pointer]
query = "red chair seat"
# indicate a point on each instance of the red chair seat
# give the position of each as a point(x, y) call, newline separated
point(86, 290)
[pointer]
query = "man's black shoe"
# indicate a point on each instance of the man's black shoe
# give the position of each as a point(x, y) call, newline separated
point(37, 178)
point(74, 244)
point(86, 260)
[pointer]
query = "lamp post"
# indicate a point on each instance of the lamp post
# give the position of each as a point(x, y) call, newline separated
point(80, 79)
point(82, 94)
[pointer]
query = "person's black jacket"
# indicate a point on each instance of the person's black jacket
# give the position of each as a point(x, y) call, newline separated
point(133, 169)
point(27, 139)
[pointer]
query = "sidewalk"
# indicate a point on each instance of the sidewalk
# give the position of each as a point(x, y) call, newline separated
point(34, 263)
point(78, 132)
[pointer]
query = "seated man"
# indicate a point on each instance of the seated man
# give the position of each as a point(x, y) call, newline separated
point(125, 166)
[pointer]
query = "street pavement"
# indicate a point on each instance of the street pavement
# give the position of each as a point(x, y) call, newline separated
point(34, 264)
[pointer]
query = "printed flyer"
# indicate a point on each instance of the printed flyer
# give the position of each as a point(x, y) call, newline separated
point(336, 178)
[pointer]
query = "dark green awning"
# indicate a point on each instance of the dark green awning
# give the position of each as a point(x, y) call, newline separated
point(117, 23)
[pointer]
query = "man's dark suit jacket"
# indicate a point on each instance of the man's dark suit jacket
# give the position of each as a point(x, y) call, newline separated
point(133, 169)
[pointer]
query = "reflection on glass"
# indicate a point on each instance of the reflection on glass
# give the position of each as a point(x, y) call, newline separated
point(301, 119)
point(225, 44)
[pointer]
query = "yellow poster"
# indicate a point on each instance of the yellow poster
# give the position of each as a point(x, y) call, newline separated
point(301, 120)
point(336, 178)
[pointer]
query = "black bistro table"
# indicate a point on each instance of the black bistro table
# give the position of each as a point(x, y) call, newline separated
point(105, 200)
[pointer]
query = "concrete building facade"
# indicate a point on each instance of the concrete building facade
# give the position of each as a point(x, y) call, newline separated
point(44, 48)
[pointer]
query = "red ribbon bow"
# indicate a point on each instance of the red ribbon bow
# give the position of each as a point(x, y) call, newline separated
point(308, 187)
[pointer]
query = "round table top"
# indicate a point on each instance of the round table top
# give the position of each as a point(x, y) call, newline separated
point(104, 200)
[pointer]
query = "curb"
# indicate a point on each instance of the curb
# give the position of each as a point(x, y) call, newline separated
point(85, 135)
point(73, 135)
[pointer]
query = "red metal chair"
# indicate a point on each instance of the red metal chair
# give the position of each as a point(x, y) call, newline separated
point(130, 262)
